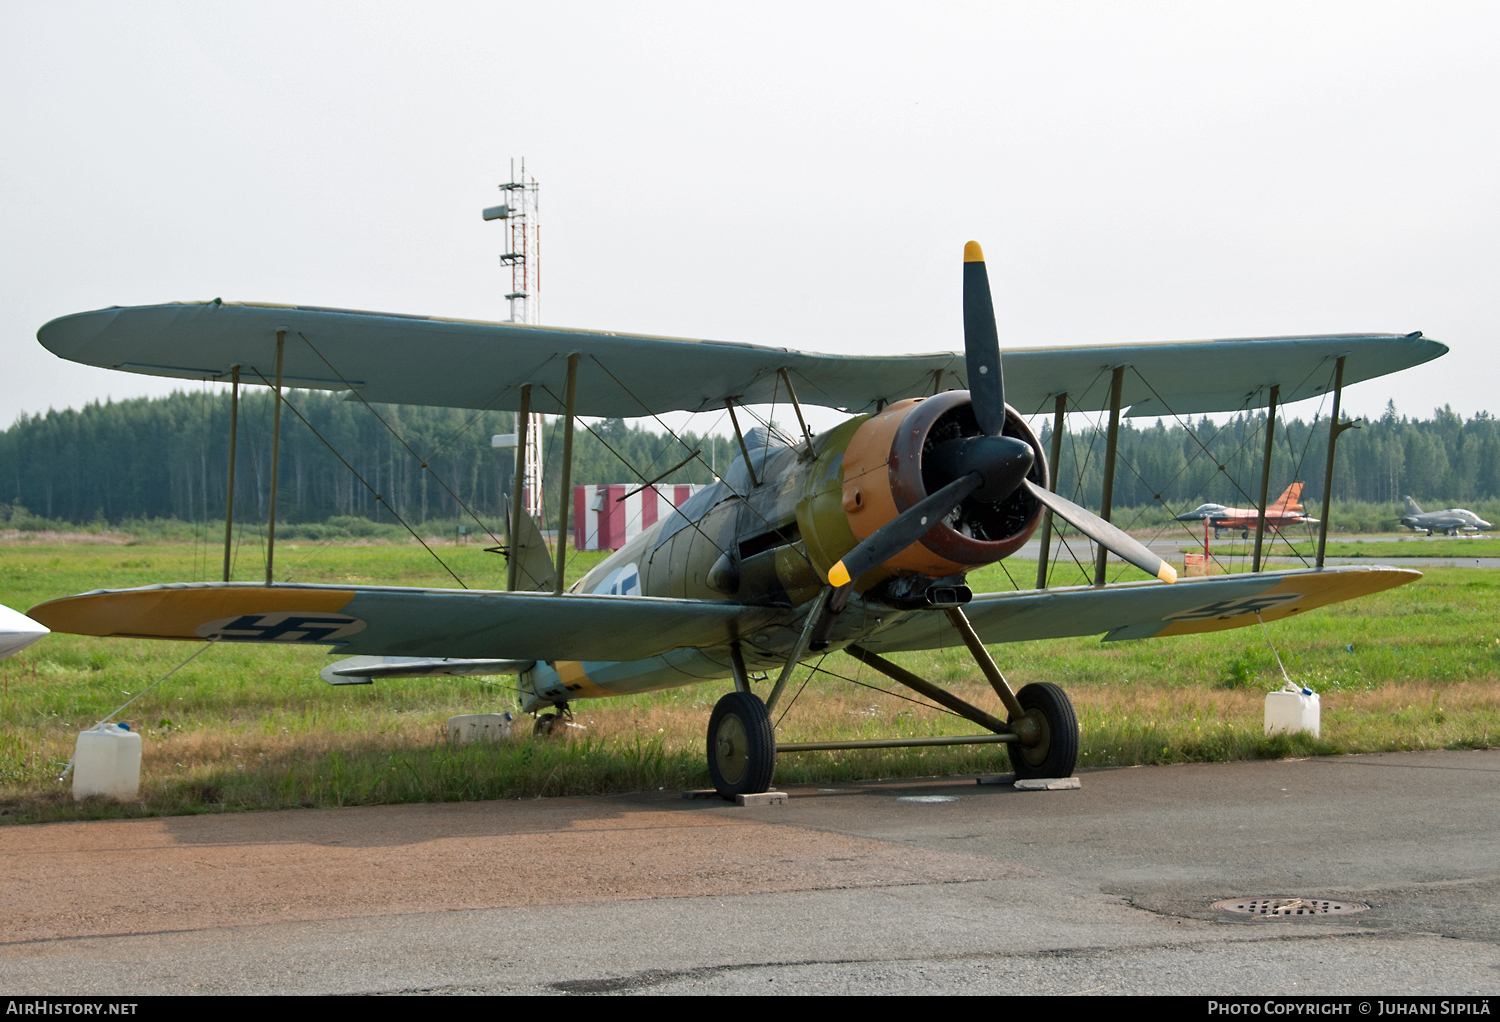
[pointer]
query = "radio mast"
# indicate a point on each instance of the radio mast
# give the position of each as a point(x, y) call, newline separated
point(523, 257)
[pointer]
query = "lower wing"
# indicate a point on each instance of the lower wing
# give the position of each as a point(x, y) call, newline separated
point(1143, 610)
point(404, 622)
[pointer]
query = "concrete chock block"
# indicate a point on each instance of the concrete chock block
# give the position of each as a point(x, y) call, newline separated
point(1047, 784)
point(995, 779)
point(765, 798)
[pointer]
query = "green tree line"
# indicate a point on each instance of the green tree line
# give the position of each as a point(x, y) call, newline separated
point(1443, 461)
point(167, 458)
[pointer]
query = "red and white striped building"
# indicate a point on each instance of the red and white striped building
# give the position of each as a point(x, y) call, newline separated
point(602, 521)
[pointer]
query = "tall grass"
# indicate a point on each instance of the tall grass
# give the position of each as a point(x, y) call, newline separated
point(252, 727)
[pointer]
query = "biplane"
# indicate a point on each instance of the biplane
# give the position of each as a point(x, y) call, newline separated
point(859, 538)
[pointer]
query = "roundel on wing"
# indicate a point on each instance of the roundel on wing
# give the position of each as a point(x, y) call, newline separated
point(282, 626)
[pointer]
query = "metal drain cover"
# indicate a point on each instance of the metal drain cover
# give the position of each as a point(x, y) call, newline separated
point(1290, 906)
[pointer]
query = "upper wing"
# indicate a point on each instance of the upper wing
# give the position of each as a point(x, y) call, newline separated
point(471, 364)
point(1141, 610)
point(403, 622)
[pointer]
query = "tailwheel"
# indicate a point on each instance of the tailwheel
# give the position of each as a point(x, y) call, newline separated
point(1054, 753)
point(741, 746)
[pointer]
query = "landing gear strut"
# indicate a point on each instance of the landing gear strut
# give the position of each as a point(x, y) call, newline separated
point(741, 746)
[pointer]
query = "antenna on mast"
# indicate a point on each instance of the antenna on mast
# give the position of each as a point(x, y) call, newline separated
point(523, 257)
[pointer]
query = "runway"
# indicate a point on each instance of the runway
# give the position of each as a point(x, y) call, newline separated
point(891, 887)
point(1170, 548)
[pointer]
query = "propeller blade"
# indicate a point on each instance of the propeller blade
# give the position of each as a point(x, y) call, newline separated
point(1103, 533)
point(903, 530)
point(982, 345)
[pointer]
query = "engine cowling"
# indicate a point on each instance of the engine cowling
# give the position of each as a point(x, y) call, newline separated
point(884, 467)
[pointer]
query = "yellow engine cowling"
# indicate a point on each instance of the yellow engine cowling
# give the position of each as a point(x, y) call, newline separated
point(872, 469)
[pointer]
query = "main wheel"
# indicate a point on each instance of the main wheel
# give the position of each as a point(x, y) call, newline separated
point(1055, 754)
point(741, 746)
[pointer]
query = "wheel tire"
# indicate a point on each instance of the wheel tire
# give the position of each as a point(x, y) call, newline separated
point(545, 723)
point(741, 746)
point(1056, 755)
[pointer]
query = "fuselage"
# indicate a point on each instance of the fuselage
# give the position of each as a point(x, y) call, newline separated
point(766, 534)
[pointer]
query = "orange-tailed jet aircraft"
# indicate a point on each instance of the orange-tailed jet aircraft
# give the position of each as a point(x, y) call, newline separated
point(1287, 510)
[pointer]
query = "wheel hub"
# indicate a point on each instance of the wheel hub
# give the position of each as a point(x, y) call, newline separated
point(1034, 723)
point(1030, 728)
point(731, 748)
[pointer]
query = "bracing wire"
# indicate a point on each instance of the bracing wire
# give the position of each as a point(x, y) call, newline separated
point(378, 497)
point(877, 688)
point(400, 440)
point(811, 671)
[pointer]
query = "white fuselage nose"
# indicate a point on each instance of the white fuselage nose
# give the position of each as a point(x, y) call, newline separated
point(17, 631)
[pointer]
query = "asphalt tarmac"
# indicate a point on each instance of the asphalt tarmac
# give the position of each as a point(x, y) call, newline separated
point(892, 887)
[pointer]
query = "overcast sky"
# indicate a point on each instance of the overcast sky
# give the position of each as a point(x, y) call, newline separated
point(799, 174)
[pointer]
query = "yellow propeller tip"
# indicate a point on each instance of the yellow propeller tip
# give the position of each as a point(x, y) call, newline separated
point(973, 253)
point(838, 575)
point(1167, 573)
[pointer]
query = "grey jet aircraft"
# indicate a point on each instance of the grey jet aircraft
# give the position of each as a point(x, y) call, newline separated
point(1451, 522)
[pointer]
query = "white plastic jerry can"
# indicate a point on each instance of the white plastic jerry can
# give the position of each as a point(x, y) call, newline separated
point(1293, 709)
point(107, 761)
point(481, 727)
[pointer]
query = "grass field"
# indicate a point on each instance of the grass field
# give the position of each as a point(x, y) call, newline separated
point(249, 726)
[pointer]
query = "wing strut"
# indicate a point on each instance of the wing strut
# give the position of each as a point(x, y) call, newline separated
point(1058, 422)
point(275, 460)
point(523, 420)
point(565, 496)
point(234, 434)
point(1111, 444)
point(1335, 427)
point(744, 451)
point(1265, 475)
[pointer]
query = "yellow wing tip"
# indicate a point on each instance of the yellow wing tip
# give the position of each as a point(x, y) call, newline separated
point(973, 253)
point(1167, 573)
point(838, 575)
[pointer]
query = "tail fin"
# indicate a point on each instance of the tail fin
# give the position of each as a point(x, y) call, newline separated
point(1411, 506)
point(534, 562)
point(1290, 499)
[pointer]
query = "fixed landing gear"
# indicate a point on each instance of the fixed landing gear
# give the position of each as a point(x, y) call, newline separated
point(1049, 746)
point(549, 724)
point(741, 746)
